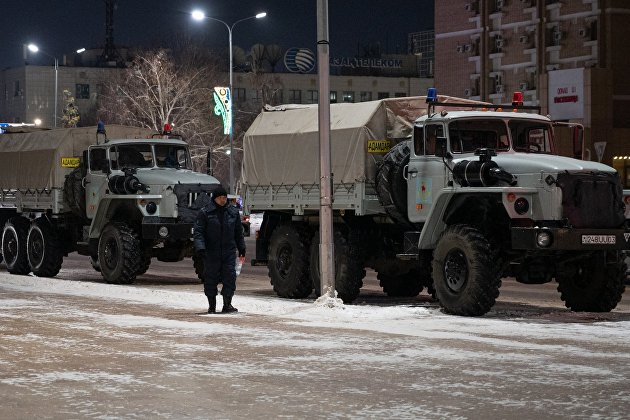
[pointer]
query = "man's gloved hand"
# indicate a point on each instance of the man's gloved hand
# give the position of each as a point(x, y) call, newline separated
point(201, 253)
point(241, 254)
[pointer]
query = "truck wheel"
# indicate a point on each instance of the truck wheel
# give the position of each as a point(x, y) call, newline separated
point(288, 262)
point(391, 187)
point(592, 284)
point(145, 263)
point(44, 249)
point(466, 273)
point(120, 255)
point(406, 285)
point(349, 265)
point(95, 264)
point(14, 248)
point(198, 264)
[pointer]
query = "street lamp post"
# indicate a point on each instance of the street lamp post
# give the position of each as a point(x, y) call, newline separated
point(34, 48)
point(199, 15)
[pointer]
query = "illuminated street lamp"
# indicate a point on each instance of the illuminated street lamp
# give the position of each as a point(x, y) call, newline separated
point(199, 15)
point(34, 48)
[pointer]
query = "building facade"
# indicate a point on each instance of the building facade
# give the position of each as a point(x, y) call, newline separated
point(568, 56)
point(28, 92)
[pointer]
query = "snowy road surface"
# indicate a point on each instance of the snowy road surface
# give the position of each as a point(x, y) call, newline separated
point(92, 350)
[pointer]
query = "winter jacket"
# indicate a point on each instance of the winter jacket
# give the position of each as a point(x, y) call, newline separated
point(217, 239)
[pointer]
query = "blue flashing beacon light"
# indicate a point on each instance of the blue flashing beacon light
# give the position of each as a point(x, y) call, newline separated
point(432, 95)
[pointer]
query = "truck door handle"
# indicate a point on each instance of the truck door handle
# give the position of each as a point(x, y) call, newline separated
point(405, 173)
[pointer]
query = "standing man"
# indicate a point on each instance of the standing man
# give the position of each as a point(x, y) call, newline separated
point(218, 234)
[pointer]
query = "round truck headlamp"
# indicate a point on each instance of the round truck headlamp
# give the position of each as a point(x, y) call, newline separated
point(163, 231)
point(544, 239)
point(521, 205)
point(151, 207)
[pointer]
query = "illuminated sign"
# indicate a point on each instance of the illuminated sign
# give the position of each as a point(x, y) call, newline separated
point(383, 63)
point(566, 94)
point(223, 107)
point(299, 60)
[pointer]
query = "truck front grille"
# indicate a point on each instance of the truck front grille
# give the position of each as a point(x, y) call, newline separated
point(592, 199)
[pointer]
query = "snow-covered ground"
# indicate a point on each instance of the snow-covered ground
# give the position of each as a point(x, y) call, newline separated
point(302, 359)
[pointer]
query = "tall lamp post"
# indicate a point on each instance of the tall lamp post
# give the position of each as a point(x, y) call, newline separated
point(199, 15)
point(34, 48)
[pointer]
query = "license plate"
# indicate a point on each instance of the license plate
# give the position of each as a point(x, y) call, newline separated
point(599, 239)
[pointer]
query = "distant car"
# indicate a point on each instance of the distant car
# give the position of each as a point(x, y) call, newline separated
point(237, 202)
point(246, 223)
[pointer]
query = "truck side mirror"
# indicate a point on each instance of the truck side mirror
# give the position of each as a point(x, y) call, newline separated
point(440, 147)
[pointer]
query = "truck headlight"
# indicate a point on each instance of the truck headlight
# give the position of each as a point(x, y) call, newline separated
point(521, 205)
point(163, 231)
point(151, 207)
point(544, 239)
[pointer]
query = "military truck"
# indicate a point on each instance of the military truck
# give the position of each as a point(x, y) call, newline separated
point(121, 196)
point(438, 193)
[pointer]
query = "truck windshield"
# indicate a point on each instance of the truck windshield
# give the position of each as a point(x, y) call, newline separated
point(466, 136)
point(531, 136)
point(131, 156)
point(172, 156)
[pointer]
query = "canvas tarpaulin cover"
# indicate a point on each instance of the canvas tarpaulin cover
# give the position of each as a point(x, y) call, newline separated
point(33, 160)
point(281, 147)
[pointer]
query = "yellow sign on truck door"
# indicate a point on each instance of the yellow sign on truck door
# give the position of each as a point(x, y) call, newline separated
point(378, 146)
point(70, 162)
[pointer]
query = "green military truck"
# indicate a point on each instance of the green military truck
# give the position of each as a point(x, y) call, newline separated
point(121, 197)
point(434, 193)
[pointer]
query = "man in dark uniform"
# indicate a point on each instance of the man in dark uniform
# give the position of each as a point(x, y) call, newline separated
point(218, 234)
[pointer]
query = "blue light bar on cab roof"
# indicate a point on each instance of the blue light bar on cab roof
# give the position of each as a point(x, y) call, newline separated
point(432, 95)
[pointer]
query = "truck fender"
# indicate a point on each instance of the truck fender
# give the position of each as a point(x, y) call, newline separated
point(434, 225)
point(106, 211)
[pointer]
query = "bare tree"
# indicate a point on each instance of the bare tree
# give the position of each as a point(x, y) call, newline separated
point(160, 87)
point(258, 58)
point(273, 54)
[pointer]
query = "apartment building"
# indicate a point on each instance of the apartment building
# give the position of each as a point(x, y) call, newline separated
point(568, 56)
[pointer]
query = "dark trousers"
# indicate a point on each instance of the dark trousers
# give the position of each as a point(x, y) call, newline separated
point(220, 270)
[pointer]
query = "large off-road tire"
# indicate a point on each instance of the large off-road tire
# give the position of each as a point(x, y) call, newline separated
point(95, 264)
point(145, 262)
point(391, 186)
point(466, 271)
point(74, 192)
point(44, 248)
point(120, 253)
point(14, 250)
point(199, 267)
point(349, 264)
point(592, 284)
point(288, 262)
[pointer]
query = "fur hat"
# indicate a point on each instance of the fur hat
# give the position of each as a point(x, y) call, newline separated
point(219, 191)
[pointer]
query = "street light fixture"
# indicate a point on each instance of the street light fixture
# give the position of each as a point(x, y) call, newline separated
point(199, 15)
point(34, 48)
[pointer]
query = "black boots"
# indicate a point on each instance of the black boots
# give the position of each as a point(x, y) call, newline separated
point(212, 304)
point(227, 305)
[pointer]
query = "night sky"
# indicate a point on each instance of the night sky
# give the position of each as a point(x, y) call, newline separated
point(62, 26)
